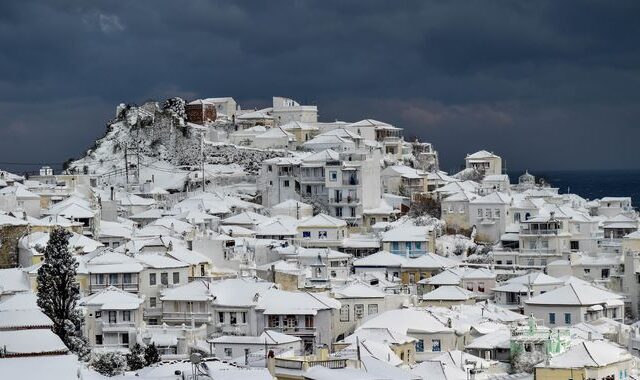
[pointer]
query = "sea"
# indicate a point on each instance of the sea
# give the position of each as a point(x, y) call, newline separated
point(591, 184)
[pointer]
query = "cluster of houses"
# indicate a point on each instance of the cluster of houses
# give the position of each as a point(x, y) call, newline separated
point(327, 267)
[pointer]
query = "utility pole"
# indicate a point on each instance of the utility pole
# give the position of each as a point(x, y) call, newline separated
point(202, 157)
point(126, 165)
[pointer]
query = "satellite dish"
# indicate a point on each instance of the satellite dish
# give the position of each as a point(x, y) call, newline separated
point(195, 358)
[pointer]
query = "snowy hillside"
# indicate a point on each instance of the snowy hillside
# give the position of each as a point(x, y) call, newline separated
point(160, 137)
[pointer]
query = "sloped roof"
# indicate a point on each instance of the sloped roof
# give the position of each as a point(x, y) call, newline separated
point(574, 294)
point(588, 354)
point(481, 154)
point(380, 259)
point(246, 218)
point(112, 298)
point(358, 290)
point(407, 233)
point(448, 293)
point(322, 220)
point(430, 260)
point(406, 321)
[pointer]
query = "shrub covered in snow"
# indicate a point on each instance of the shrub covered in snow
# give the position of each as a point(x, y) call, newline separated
point(109, 363)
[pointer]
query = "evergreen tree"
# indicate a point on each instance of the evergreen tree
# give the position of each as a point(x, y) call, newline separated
point(135, 359)
point(58, 292)
point(109, 363)
point(151, 354)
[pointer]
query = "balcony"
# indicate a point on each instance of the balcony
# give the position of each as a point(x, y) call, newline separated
point(118, 326)
point(303, 364)
point(152, 312)
point(296, 330)
point(127, 287)
point(312, 179)
point(350, 181)
point(345, 200)
point(237, 329)
point(186, 317)
point(527, 231)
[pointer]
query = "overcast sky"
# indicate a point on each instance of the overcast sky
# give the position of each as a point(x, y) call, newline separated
point(544, 84)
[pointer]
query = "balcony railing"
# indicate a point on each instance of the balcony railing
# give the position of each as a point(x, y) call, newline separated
point(526, 231)
point(350, 181)
point(297, 330)
point(127, 287)
point(152, 312)
point(173, 316)
point(296, 364)
point(344, 200)
point(117, 326)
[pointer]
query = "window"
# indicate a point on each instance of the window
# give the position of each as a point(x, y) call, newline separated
point(113, 278)
point(605, 272)
point(176, 277)
point(233, 318)
point(126, 278)
point(552, 318)
point(420, 345)
point(291, 321)
point(202, 270)
point(221, 317)
point(228, 352)
point(516, 217)
point(487, 213)
point(358, 310)
point(270, 168)
point(418, 245)
point(152, 279)
point(372, 309)
point(98, 314)
point(124, 338)
point(373, 221)
point(339, 212)
point(322, 234)
point(574, 245)
point(308, 321)
point(344, 313)
point(244, 316)
point(481, 287)
point(479, 213)
point(112, 316)
point(164, 278)
point(99, 339)
point(286, 183)
point(126, 315)
point(395, 246)
point(306, 234)
point(274, 321)
point(587, 270)
point(497, 214)
point(567, 318)
point(470, 286)
point(333, 176)
point(152, 301)
point(100, 279)
point(435, 345)
point(352, 211)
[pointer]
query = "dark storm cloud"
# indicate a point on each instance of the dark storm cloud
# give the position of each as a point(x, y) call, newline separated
point(547, 84)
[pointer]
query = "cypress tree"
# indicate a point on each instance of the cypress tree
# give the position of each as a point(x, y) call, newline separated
point(58, 292)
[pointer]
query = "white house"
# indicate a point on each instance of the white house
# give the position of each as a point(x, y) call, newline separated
point(112, 318)
point(575, 303)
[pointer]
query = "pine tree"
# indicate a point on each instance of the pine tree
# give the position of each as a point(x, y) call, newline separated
point(58, 292)
point(135, 359)
point(151, 354)
point(109, 363)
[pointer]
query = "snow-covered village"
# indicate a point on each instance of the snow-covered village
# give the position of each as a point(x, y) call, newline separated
point(201, 239)
point(319, 190)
